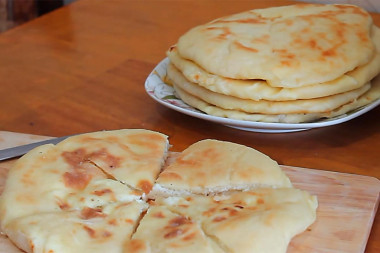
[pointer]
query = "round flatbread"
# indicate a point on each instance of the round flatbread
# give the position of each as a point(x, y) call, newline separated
point(289, 46)
point(315, 105)
point(83, 194)
point(67, 198)
point(367, 98)
point(211, 166)
point(163, 230)
point(239, 220)
point(261, 90)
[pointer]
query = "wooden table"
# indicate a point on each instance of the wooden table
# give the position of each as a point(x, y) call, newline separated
point(82, 68)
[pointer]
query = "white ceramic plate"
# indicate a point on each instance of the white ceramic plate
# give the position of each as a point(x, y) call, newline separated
point(165, 95)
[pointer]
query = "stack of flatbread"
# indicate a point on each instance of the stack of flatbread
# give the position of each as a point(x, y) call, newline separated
point(119, 191)
point(288, 64)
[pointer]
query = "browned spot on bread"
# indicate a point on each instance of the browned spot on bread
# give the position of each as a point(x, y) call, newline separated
point(219, 218)
point(171, 175)
point(231, 211)
point(286, 63)
point(89, 213)
point(224, 32)
point(187, 161)
point(102, 192)
point(103, 155)
point(189, 237)
point(74, 158)
point(210, 154)
point(353, 9)
point(76, 179)
point(280, 51)
point(135, 245)
point(130, 221)
point(145, 186)
point(91, 232)
point(209, 212)
point(31, 245)
point(284, 53)
point(241, 21)
point(63, 205)
point(329, 52)
point(175, 228)
point(112, 222)
point(27, 177)
point(241, 46)
point(262, 39)
point(158, 215)
point(174, 233)
point(305, 5)
point(313, 43)
point(178, 221)
point(305, 30)
point(260, 201)
point(288, 22)
point(363, 36)
point(150, 141)
point(290, 56)
point(77, 157)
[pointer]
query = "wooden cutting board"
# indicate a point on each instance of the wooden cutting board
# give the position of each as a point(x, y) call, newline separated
point(347, 205)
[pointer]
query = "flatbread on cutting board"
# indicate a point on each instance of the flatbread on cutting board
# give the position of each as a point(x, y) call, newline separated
point(64, 198)
point(68, 197)
point(133, 157)
point(163, 230)
point(262, 220)
point(211, 166)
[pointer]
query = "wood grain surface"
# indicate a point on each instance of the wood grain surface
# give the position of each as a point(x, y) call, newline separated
point(82, 68)
point(341, 198)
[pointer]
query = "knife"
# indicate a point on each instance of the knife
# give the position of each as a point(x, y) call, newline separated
point(23, 149)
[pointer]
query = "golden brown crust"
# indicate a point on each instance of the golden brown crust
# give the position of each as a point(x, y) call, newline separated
point(211, 166)
point(69, 198)
point(289, 46)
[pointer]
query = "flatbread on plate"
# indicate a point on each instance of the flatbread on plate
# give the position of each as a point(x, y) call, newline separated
point(370, 96)
point(261, 90)
point(315, 105)
point(289, 46)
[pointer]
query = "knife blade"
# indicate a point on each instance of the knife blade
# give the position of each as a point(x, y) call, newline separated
point(23, 149)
